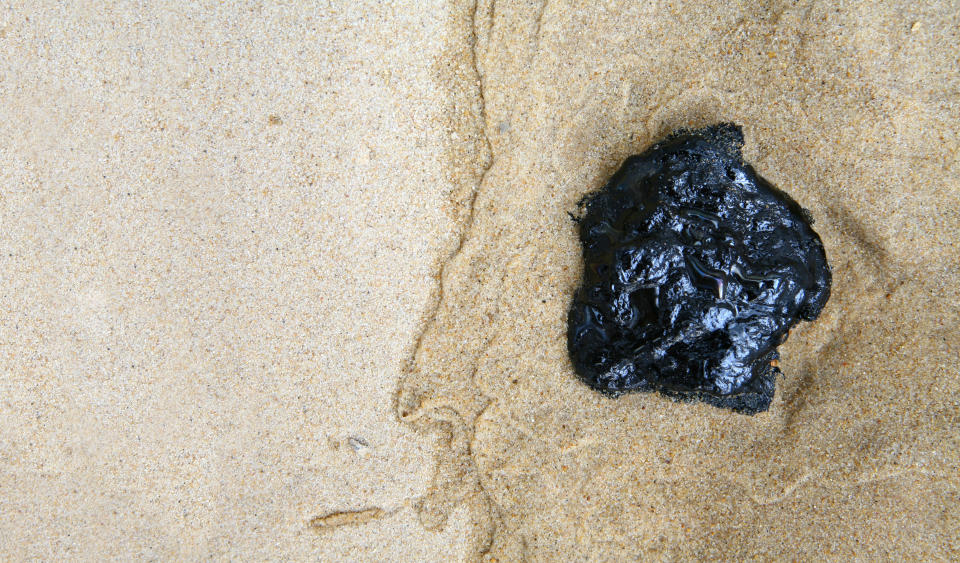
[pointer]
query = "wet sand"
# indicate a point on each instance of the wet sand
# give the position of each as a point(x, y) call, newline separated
point(852, 111)
point(293, 283)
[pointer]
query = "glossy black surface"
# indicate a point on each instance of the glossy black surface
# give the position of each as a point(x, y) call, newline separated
point(695, 269)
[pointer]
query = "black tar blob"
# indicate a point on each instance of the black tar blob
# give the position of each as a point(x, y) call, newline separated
point(695, 270)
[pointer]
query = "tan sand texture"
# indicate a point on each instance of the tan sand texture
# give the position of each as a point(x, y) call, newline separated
point(851, 109)
point(220, 228)
point(292, 282)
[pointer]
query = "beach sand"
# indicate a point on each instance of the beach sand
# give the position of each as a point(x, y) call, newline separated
point(292, 283)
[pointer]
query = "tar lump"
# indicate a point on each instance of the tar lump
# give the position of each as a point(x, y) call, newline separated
point(695, 270)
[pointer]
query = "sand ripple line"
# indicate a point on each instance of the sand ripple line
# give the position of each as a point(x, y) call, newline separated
point(345, 518)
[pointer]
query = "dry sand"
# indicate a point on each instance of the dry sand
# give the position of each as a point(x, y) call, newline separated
point(292, 282)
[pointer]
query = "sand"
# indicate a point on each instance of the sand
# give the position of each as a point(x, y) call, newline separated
point(292, 283)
